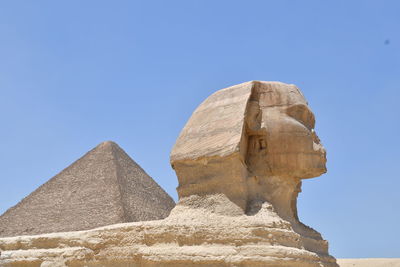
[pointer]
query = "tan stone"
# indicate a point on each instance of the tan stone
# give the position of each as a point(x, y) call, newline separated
point(239, 161)
point(201, 231)
point(373, 262)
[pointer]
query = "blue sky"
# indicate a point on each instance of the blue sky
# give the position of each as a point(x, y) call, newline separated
point(76, 73)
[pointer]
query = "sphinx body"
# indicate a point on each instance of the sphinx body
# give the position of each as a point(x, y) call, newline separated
point(239, 160)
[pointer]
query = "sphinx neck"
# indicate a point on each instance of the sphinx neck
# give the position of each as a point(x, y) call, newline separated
point(281, 192)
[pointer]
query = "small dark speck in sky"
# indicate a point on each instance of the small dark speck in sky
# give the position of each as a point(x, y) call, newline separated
point(387, 41)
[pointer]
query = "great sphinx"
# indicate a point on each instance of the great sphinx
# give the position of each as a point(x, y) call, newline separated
point(240, 160)
point(252, 142)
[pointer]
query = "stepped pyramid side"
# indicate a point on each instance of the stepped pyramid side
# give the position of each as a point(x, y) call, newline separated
point(103, 187)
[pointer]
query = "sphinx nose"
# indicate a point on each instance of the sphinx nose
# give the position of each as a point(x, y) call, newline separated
point(317, 146)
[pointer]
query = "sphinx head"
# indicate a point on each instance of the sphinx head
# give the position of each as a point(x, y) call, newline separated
point(248, 142)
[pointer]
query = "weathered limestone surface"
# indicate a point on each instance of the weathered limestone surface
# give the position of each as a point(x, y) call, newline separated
point(103, 187)
point(239, 161)
point(201, 231)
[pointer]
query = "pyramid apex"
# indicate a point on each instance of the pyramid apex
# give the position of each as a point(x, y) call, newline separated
point(108, 143)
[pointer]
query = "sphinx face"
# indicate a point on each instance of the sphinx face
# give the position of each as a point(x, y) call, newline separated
point(292, 146)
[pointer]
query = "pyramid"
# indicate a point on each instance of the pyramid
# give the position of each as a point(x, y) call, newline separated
point(103, 187)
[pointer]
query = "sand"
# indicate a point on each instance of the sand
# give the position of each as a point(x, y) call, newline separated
point(371, 262)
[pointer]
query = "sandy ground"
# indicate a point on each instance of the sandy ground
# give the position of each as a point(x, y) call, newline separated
point(377, 262)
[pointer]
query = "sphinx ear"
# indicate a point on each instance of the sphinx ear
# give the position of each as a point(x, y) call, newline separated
point(262, 143)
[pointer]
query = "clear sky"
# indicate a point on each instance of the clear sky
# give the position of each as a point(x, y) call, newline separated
point(76, 73)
